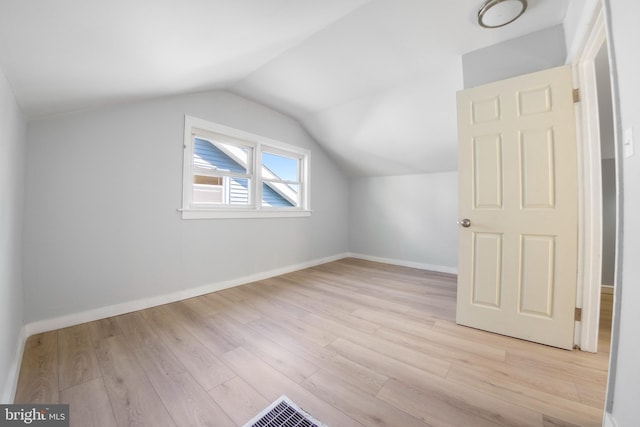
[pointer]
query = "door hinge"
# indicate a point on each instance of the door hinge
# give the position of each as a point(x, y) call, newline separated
point(578, 315)
point(576, 95)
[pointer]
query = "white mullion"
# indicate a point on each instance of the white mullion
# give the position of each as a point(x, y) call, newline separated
point(304, 179)
point(226, 190)
point(258, 175)
point(301, 183)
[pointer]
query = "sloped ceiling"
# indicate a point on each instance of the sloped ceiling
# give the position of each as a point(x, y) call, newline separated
point(373, 81)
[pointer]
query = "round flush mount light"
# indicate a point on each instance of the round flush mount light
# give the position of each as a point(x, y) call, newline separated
point(498, 13)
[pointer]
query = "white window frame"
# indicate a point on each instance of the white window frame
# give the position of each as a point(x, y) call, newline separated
point(270, 149)
point(195, 126)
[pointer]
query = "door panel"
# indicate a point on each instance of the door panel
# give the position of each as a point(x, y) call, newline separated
point(537, 165)
point(487, 171)
point(537, 278)
point(518, 186)
point(487, 269)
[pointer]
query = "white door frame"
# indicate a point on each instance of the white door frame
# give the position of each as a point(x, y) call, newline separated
point(590, 182)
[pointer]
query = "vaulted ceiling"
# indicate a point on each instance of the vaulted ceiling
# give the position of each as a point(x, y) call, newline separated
point(373, 81)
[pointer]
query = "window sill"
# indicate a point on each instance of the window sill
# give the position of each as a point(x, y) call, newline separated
point(242, 213)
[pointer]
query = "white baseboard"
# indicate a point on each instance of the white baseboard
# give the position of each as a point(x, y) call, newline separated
point(402, 263)
point(609, 421)
point(127, 307)
point(9, 391)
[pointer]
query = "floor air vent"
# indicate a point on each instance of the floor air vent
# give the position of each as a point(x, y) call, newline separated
point(283, 413)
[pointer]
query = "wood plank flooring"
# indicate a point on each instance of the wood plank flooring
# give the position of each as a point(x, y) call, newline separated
point(354, 343)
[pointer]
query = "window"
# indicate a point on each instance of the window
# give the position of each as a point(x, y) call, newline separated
point(231, 173)
point(281, 178)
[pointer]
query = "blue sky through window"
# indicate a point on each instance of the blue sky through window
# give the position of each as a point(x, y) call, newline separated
point(284, 167)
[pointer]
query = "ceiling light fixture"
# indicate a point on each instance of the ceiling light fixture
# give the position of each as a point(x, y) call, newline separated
point(498, 13)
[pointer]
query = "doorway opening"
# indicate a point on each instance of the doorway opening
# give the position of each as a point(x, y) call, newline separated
point(609, 191)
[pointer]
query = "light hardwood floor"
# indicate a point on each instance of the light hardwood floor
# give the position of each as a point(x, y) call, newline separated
point(354, 343)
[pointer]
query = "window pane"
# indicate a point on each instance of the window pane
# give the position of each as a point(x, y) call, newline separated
point(207, 180)
point(277, 194)
point(221, 156)
point(221, 191)
point(281, 167)
point(208, 194)
point(239, 191)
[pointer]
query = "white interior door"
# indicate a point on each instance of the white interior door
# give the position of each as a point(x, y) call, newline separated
point(518, 190)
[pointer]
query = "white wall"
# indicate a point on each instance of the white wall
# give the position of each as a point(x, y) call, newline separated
point(624, 387)
point(527, 54)
point(12, 170)
point(102, 192)
point(409, 219)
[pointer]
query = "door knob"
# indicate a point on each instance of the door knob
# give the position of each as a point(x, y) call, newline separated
point(465, 222)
